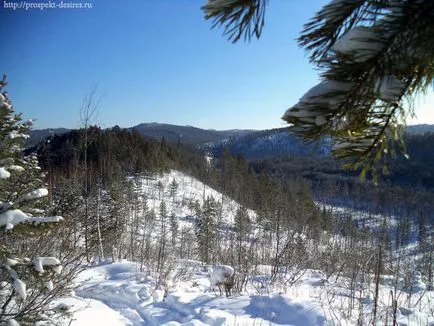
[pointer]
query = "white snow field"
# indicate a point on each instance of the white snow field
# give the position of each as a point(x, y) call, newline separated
point(116, 294)
point(126, 293)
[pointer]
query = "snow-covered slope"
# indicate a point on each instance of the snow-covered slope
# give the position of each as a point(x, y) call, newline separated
point(267, 144)
point(128, 293)
point(189, 191)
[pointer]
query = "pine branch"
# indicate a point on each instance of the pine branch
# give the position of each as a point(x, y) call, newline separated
point(386, 62)
point(239, 18)
point(324, 29)
point(375, 54)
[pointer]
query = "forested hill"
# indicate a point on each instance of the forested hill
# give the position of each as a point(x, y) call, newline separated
point(97, 157)
point(171, 133)
point(267, 144)
point(185, 134)
point(119, 149)
point(419, 129)
point(278, 149)
point(113, 152)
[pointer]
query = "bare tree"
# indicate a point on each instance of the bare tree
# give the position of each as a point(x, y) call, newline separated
point(88, 113)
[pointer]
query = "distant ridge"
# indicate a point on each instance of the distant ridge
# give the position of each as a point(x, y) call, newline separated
point(185, 134)
point(266, 144)
point(38, 135)
point(197, 136)
point(420, 129)
point(171, 133)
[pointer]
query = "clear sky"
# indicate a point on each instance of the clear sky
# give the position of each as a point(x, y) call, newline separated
point(156, 61)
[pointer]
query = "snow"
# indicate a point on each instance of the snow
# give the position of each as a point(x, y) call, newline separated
point(320, 120)
point(355, 144)
point(11, 262)
point(208, 160)
point(37, 193)
point(127, 293)
point(320, 93)
point(89, 312)
point(328, 94)
point(13, 217)
point(330, 9)
point(189, 190)
point(16, 168)
point(220, 274)
point(20, 288)
point(158, 295)
point(40, 262)
point(389, 88)
point(12, 322)
point(116, 289)
point(4, 174)
point(129, 297)
point(15, 134)
point(418, 285)
point(49, 285)
point(362, 42)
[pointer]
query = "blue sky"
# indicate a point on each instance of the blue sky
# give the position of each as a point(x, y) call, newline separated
point(156, 61)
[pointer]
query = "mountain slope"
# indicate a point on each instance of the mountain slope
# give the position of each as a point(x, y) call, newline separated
point(38, 135)
point(171, 133)
point(266, 144)
point(185, 134)
point(419, 129)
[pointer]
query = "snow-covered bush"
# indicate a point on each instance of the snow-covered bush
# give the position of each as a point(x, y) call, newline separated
point(222, 276)
point(25, 278)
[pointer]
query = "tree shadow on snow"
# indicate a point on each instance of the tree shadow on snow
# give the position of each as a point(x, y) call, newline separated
point(281, 311)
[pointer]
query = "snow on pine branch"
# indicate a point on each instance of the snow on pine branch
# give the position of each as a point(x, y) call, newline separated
point(35, 194)
point(329, 10)
point(16, 168)
point(326, 98)
point(389, 88)
point(362, 42)
point(319, 102)
point(4, 174)
point(13, 217)
point(16, 134)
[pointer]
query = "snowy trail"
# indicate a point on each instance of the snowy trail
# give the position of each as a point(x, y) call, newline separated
point(128, 297)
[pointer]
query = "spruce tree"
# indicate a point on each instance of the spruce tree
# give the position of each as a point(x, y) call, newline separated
point(173, 186)
point(24, 276)
point(206, 228)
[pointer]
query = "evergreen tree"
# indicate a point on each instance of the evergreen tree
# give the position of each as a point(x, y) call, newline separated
point(23, 275)
point(206, 228)
point(241, 223)
point(375, 57)
point(173, 186)
point(242, 230)
point(174, 228)
point(162, 250)
point(160, 188)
